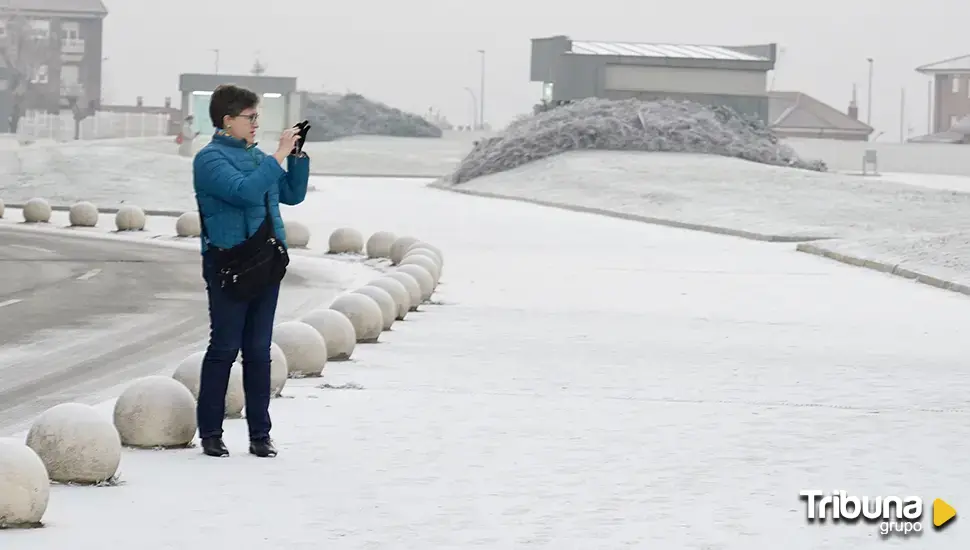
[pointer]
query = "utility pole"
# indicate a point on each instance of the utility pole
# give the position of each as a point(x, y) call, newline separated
point(902, 115)
point(481, 94)
point(216, 51)
point(929, 107)
point(869, 103)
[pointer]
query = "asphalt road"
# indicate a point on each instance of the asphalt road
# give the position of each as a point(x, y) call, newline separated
point(79, 315)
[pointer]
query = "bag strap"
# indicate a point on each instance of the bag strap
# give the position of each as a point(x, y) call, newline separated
point(205, 234)
point(269, 217)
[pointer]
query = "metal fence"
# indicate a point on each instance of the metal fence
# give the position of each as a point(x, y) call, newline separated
point(101, 125)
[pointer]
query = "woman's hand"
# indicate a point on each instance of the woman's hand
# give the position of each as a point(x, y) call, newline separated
point(289, 139)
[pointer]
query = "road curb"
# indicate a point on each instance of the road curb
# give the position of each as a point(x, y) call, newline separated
point(108, 210)
point(885, 267)
point(718, 230)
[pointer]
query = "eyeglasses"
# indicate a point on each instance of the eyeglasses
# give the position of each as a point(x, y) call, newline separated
point(251, 118)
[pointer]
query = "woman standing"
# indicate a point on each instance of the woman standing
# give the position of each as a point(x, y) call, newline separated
point(236, 185)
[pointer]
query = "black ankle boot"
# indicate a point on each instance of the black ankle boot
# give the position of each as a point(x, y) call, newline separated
point(263, 448)
point(213, 446)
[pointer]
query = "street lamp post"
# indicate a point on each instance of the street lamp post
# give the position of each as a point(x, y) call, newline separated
point(481, 94)
point(869, 102)
point(216, 51)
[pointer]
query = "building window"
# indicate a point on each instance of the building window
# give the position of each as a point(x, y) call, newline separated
point(41, 75)
point(3, 29)
point(953, 120)
point(70, 75)
point(70, 31)
point(41, 28)
point(955, 81)
point(547, 91)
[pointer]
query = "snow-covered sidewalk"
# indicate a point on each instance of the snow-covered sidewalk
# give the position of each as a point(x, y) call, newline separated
point(586, 382)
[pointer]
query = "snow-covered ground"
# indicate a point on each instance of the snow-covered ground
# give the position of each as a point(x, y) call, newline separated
point(108, 174)
point(944, 256)
point(918, 221)
point(586, 382)
point(732, 193)
point(148, 171)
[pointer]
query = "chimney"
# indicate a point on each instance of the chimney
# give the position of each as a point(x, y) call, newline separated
point(140, 101)
point(168, 103)
point(854, 104)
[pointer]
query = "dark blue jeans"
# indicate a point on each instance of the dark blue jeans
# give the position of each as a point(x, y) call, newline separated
point(235, 326)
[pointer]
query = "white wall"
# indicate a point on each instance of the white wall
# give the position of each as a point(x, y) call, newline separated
point(681, 80)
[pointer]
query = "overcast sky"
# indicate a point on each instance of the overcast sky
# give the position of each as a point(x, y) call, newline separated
point(414, 54)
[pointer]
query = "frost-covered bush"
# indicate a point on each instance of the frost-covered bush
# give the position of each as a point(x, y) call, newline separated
point(334, 116)
point(629, 125)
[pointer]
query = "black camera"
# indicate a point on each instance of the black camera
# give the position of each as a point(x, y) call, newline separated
point(304, 130)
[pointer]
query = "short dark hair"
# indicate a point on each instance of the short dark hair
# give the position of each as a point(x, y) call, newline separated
point(230, 100)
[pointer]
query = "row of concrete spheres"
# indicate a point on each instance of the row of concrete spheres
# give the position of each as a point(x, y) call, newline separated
point(77, 444)
point(82, 214)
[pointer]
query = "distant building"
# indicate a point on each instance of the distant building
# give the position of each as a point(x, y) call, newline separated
point(734, 76)
point(281, 105)
point(951, 91)
point(794, 114)
point(73, 29)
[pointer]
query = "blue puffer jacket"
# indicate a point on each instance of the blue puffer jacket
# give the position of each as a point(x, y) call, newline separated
point(231, 180)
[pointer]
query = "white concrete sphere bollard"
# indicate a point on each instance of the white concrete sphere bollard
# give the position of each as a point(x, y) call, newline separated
point(279, 370)
point(37, 211)
point(25, 488)
point(427, 252)
point(425, 280)
point(188, 225)
point(384, 301)
point(304, 347)
point(130, 218)
point(425, 262)
point(399, 247)
point(76, 444)
point(83, 214)
point(297, 234)
point(411, 285)
point(379, 244)
point(431, 255)
point(397, 291)
point(189, 373)
point(1, 208)
point(429, 246)
point(346, 240)
point(155, 411)
point(364, 314)
point(337, 331)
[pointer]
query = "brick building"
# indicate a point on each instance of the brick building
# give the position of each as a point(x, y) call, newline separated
point(951, 91)
point(72, 66)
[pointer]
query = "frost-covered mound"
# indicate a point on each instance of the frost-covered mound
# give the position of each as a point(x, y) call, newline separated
point(630, 125)
point(334, 116)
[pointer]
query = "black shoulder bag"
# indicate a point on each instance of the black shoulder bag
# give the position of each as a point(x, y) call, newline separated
point(245, 270)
